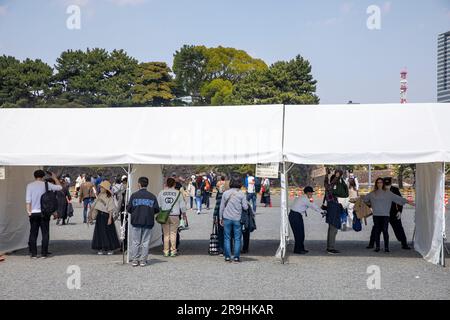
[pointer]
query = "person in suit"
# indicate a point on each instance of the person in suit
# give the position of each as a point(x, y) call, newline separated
point(394, 219)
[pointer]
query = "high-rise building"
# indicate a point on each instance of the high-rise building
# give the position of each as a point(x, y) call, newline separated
point(443, 71)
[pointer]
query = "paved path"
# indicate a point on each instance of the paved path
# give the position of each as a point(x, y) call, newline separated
point(195, 275)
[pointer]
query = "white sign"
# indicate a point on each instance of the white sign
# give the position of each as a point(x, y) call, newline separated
point(320, 172)
point(2, 173)
point(267, 170)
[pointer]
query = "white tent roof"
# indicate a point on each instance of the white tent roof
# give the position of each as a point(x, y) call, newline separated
point(365, 134)
point(171, 135)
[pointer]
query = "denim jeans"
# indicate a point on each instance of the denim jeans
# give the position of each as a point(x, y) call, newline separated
point(252, 197)
point(199, 200)
point(140, 242)
point(86, 203)
point(237, 230)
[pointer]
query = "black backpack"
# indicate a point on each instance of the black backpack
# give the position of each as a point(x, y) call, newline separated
point(257, 185)
point(49, 202)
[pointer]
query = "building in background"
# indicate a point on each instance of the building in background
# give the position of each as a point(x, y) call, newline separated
point(443, 69)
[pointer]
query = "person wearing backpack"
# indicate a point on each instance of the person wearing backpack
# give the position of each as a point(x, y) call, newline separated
point(171, 199)
point(207, 191)
point(40, 196)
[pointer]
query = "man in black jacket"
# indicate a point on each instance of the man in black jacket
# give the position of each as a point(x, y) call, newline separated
point(143, 206)
point(394, 218)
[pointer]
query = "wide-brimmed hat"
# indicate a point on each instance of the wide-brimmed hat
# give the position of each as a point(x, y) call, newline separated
point(105, 184)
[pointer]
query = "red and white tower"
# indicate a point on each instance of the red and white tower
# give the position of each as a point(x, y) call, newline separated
point(403, 85)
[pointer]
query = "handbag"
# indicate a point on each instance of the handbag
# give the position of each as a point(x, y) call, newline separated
point(214, 240)
point(163, 215)
point(69, 210)
point(357, 226)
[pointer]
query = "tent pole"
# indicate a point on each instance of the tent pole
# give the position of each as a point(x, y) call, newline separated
point(128, 215)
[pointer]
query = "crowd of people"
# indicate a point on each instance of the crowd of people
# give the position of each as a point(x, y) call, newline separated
point(104, 203)
point(339, 207)
point(233, 216)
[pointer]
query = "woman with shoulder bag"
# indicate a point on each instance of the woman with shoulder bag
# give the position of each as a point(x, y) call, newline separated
point(234, 201)
point(105, 239)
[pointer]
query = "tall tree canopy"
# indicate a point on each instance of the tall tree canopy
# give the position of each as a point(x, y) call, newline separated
point(196, 67)
point(153, 84)
point(285, 82)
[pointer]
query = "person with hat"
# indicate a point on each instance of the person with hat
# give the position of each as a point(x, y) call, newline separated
point(394, 218)
point(105, 239)
point(301, 204)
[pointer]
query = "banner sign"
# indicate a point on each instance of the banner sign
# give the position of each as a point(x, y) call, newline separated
point(267, 170)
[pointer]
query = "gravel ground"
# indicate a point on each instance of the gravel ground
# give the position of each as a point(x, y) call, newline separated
point(195, 275)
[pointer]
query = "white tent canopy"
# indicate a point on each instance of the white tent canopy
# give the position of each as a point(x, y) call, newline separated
point(380, 134)
point(149, 137)
point(108, 136)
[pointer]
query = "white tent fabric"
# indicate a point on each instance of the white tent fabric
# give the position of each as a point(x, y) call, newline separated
point(430, 211)
point(367, 134)
point(336, 134)
point(14, 223)
point(172, 135)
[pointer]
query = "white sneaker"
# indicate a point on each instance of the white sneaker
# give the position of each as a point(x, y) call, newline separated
point(110, 253)
point(135, 263)
point(100, 253)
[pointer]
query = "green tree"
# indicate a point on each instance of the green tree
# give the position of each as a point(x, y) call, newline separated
point(196, 67)
point(153, 84)
point(23, 84)
point(189, 67)
point(285, 82)
point(217, 92)
point(95, 77)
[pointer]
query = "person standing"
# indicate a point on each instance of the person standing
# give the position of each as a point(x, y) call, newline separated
point(78, 183)
point(87, 195)
point(352, 195)
point(231, 206)
point(207, 191)
point(105, 239)
point(220, 186)
point(351, 176)
point(265, 192)
point(142, 206)
point(199, 186)
point(191, 191)
point(171, 198)
point(299, 207)
point(34, 193)
point(380, 200)
point(63, 196)
point(251, 190)
point(394, 219)
point(334, 209)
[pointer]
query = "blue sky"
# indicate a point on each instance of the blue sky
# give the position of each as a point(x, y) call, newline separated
point(350, 62)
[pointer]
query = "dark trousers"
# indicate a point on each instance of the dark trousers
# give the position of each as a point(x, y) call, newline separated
point(246, 240)
point(192, 202)
point(399, 232)
point(298, 227)
point(220, 234)
point(36, 222)
point(381, 225)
